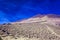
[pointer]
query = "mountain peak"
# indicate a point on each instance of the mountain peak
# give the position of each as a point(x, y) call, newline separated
point(38, 15)
point(53, 16)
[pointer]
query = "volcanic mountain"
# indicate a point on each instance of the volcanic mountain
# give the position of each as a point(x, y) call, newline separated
point(38, 27)
point(39, 17)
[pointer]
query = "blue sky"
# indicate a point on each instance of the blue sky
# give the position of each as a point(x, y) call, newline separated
point(13, 10)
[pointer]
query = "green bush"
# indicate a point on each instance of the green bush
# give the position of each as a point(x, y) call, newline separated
point(0, 38)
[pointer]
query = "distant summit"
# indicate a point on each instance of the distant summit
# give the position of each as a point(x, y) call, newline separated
point(40, 17)
point(53, 16)
point(48, 15)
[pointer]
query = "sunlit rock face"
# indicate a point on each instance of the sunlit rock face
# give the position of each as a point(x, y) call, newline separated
point(52, 18)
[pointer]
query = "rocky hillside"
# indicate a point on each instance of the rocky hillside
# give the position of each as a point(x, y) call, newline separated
point(39, 30)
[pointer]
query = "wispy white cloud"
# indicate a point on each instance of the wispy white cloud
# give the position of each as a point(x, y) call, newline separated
point(3, 18)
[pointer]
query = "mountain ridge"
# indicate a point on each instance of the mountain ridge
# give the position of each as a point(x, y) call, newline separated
point(39, 17)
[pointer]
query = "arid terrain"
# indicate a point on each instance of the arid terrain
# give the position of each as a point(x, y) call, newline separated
point(35, 28)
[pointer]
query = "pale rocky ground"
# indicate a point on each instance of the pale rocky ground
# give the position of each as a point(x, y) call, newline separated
point(37, 30)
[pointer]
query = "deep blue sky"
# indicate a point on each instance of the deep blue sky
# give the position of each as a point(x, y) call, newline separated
point(13, 10)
